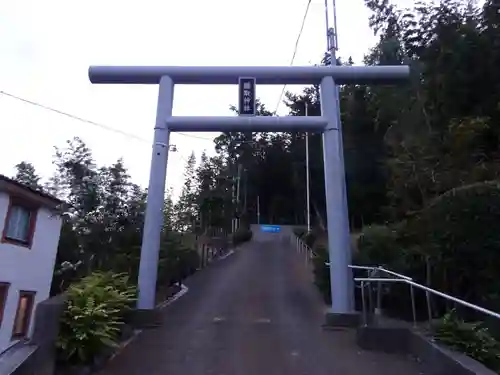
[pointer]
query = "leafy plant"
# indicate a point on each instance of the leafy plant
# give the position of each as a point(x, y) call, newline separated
point(377, 246)
point(322, 272)
point(473, 339)
point(93, 317)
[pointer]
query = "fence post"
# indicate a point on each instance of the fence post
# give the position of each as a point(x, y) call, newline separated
point(413, 308)
point(363, 304)
point(429, 308)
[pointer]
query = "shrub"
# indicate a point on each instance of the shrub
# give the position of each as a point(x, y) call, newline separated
point(299, 231)
point(309, 238)
point(449, 244)
point(457, 232)
point(92, 320)
point(242, 235)
point(322, 273)
point(384, 246)
point(378, 246)
point(471, 339)
point(177, 260)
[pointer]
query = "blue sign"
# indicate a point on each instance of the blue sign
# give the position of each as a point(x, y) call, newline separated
point(247, 98)
point(270, 228)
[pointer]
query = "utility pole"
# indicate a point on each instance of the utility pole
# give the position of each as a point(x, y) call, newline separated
point(307, 177)
point(258, 210)
point(343, 227)
point(246, 162)
point(245, 189)
point(233, 208)
point(238, 195)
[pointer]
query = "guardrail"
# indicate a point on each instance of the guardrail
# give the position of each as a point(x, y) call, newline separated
point(301, 247)
point(367, 281)
point(374, 275)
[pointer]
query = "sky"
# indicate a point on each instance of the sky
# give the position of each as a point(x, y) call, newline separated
point(47, 46)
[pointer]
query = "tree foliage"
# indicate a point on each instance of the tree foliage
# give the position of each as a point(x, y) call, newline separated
point(26, 175)
point(421, 158)
point(104, 218)
point(404, 145)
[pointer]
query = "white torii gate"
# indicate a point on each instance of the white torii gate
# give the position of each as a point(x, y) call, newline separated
point(328, 123)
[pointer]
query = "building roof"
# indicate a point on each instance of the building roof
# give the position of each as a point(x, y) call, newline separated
point(14, 187)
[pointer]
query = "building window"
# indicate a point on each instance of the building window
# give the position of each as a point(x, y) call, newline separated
point(19, 224)
point(4, 288)
point(23, 314)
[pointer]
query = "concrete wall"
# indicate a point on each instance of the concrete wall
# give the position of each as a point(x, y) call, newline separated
point(28, 269)
point(36, 356)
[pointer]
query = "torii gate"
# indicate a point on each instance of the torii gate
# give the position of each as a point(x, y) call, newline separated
point(328, 123)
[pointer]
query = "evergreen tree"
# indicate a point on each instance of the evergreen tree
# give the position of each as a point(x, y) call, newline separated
point(185, 207)
point(26, 174)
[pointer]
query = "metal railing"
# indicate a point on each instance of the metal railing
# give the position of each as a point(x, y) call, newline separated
point(367, 282)
point(301, 247)
point(374, 275)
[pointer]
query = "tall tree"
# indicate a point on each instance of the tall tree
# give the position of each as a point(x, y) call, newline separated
point(185, 207)
point(26, 174)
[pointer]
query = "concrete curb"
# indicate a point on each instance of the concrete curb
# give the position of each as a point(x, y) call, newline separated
point(436, 359)
point(175, 297)
point(231, 252)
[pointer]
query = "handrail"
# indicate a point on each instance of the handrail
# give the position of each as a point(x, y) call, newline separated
point(433, 291)
point(309, 249)
point(401, 276)
point(301, 246)
point(379, 268)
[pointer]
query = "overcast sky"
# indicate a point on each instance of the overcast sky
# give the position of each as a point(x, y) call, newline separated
point(47, 46)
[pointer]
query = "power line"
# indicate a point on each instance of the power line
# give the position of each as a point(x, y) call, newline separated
point(195, 136)
point(100, 125)
point(295, 49)
point(93, 123)
point(73, 117)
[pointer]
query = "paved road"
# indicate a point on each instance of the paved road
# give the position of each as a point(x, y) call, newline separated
point(254, 313)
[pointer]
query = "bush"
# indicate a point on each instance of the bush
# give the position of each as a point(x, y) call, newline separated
point(378, 246)
point(450, 245)
point(299, 231)
point(309, 238)
point(176, 261)
point(92, 320)
point(384, 246)
point(471, 339)
point(242, 235)
point(457, 232)
point(322, 273)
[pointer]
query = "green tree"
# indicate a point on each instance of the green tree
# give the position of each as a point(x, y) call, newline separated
point(26, 174)
point(185, 207)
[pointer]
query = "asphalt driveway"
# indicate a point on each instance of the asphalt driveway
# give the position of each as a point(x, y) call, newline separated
point(253, 313)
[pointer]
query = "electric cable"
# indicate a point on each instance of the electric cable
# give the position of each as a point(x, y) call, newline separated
point(295, 50)
point(93, 123)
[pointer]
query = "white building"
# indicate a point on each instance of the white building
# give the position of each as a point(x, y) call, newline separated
point(29, 236)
